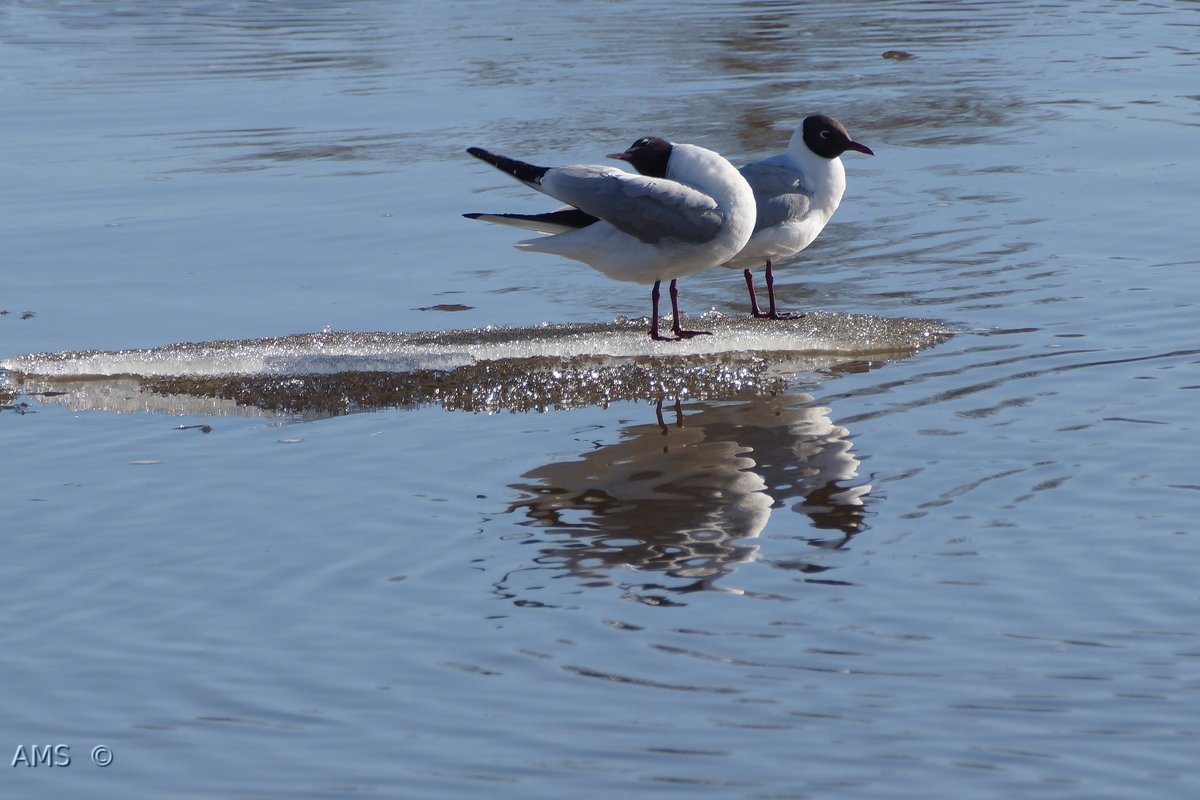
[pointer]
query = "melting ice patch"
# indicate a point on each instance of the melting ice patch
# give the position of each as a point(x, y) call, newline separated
point(335, 352)
point(479, 369)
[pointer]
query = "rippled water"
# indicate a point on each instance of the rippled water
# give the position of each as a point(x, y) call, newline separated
point(965, 571)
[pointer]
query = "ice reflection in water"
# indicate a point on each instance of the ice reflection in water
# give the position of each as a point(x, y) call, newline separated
point(681, 501)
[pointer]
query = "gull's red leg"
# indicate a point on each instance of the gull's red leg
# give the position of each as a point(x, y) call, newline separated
point(680, 332)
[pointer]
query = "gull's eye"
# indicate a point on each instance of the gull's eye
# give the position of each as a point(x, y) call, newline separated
point(825, 134)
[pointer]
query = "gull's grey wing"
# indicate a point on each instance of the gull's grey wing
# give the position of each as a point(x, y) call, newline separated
point(779, 191)
point(649, 209)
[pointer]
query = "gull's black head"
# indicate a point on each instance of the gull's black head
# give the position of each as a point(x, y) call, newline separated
point(826, 137)
point(648, 155)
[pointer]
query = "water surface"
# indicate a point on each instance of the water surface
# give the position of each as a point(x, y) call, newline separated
point(967, 571)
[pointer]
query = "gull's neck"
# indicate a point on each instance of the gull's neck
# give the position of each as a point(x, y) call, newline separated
point(826, 177)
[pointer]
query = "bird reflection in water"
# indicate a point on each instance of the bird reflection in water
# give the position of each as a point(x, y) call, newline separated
point(677, 505)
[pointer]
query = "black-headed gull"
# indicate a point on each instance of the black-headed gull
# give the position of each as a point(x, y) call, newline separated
point(688, 210)
point(796, 193)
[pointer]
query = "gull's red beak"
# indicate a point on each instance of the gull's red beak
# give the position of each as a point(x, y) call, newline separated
point(862, 148)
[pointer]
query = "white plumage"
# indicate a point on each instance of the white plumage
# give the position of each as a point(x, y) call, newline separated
point(796, 192)
point(688, 210)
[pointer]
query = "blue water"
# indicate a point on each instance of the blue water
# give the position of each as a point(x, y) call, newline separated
point(967, 572)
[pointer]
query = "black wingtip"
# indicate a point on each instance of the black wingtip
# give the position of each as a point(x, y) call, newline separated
point(484, 155)
point(528, 173)
point(550, 222)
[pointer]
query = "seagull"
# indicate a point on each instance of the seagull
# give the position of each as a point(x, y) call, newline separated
point(796, 193)
point(687, 210)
